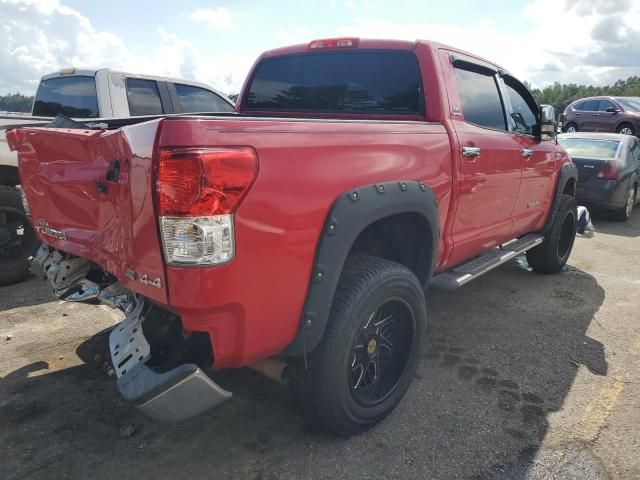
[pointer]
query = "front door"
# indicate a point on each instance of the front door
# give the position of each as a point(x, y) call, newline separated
point(537, 159)
point(489, 173)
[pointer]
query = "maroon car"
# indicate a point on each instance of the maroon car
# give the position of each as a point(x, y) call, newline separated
point(603, 114)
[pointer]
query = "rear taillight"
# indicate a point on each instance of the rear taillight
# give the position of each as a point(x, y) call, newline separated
point(610, 171)
point(198, 190)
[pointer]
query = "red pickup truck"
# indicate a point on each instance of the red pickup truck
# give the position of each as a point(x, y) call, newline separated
point(297, 234)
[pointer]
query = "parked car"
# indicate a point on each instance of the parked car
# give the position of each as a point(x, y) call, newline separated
point(603, 114)
point(298, 237)
point(85, 94)
point(608, 170)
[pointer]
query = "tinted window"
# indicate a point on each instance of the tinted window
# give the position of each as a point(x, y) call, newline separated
point(70, 96)
point(524, 119)
point(481, 102)
point(143, 97)
point(338, 82)
point(604, 104)
point(195, 99)
point(589, 147)
point(589, 105)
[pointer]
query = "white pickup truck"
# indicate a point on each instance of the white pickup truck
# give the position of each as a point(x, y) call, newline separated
point(85, 95)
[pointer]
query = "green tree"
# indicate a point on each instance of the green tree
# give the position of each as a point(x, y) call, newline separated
point(15, 102)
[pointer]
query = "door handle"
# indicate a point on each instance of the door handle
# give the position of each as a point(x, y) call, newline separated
point(596, 114)
point(526, 152)
point(470, 152)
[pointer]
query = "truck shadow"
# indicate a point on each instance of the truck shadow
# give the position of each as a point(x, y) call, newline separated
point(501, 355)
point(24, 294)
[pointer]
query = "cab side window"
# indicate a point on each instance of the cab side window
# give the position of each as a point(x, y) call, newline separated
point(522, 115)
point(481, 102)
point(143, 97)
point(195, 99)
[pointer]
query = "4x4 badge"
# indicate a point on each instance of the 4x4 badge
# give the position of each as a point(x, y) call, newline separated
point(153, 283)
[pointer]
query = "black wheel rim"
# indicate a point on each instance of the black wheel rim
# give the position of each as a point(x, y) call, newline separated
point(380, 352)
point(567, 234)
point(17, 239)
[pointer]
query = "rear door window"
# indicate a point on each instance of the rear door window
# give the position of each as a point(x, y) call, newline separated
point(589, 106)
point(72, 96)
point(481, 102)
point(195, 99)
point(380, 82)
point(143, 97)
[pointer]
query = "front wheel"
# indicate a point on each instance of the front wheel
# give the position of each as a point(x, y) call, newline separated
point(553, 253)
point(370, 350)
point(571, 128)
point(626, 129)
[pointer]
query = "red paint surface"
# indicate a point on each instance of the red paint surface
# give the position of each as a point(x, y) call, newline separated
point(252, 306)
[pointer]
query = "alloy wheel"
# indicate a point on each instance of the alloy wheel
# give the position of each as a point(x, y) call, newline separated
point(380, 352)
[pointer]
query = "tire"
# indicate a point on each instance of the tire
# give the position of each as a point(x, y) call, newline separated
point(553, 253)
point(375, 299)
point(626, 129)
point(18, 241)
point(622, 214)
point(571, 128)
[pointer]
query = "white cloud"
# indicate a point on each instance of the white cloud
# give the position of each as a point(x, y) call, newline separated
point(579, 41)
point(39, 37)
point(218, 17)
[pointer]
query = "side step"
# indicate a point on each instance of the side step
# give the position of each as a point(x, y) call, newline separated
point(464, 273)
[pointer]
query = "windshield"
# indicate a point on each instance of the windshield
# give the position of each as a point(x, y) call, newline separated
point(590, 147)
point(73, 96)
point(630, 104)
point(338, 82)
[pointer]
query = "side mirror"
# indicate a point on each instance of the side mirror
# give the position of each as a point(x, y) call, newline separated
point(548, 120)
point(612, 110)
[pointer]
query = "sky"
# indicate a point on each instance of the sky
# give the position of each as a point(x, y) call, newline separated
point(216, 42)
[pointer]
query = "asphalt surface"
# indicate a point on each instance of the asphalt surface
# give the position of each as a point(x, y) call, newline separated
point(523, 376)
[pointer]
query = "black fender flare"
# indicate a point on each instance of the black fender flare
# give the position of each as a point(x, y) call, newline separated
point(350, 214)
point(568, 172)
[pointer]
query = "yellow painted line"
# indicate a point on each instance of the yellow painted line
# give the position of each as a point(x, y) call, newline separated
point(599, 409)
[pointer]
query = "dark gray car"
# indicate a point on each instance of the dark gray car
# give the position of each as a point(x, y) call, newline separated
point(608, 170)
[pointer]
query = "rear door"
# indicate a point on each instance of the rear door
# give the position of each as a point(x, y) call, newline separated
point(587, 121)
point(605, 121)
point(489, 176)
point(147, 97)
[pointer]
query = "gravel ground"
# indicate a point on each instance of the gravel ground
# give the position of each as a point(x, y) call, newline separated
point(523, 376)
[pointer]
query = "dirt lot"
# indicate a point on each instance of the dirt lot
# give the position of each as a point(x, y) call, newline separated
point(523, 376)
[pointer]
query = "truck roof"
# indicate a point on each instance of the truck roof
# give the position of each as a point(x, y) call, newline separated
point(374, 44)
point(92, 72)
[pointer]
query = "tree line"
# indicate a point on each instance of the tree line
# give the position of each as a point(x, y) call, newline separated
point(16, 102)
point(562, 94)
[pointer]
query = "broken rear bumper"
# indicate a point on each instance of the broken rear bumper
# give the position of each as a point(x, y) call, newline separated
point(172, 395)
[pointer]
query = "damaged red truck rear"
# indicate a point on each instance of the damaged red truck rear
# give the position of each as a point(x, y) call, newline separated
point(302, 229)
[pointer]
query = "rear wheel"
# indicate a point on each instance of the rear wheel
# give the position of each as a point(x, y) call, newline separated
point(17, 239)
point(553, 253)
point(624, 213)
point(571, 128)
point(371, 347)
point(626, 129)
